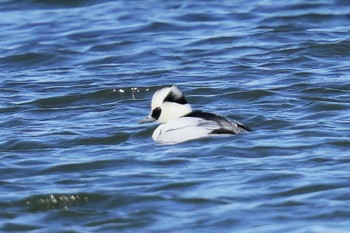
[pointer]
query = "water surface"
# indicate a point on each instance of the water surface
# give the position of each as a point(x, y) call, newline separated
point(76, 78)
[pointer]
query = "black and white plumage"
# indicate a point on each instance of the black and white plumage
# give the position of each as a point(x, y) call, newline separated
point(180, 123)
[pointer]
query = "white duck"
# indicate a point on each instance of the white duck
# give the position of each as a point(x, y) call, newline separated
point(180, 123)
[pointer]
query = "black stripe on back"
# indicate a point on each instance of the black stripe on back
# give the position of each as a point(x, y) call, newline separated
point(227, 127)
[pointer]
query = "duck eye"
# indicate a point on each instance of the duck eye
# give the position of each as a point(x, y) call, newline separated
point(156, 113)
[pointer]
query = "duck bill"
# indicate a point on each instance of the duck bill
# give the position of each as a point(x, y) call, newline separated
point(147, 119)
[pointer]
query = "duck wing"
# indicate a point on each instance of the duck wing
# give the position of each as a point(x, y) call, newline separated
point(225, 126)
point(196, 125)
point(184, 129)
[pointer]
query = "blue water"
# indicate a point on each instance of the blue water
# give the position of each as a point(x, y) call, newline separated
point(76, 76)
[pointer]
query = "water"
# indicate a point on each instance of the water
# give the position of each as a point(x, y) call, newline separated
point(77, 76)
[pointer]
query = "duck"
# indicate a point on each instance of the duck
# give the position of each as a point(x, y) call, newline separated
point(180, 123)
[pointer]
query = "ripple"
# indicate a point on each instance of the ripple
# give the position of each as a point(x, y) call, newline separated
point(26, 59)
point(22, 145)
point(308, 189)
point(14, 226)
point(76, 77)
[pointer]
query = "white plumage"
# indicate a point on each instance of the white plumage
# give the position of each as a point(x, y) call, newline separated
point(180, 123)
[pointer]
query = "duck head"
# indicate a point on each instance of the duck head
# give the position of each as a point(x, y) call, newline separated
point(167, 104)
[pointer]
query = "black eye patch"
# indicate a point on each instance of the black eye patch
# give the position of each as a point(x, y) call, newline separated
point(172, 97)
point(156, 113)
